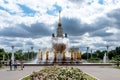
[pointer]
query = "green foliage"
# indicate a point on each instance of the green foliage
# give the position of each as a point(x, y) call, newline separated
point(84, 56)
point(117, 57)
point(118, 67)
point(94, 60)
point(26, 78)
point(3, 53)
point(19, 54)
point(117, 50)
point(113, 54)
point(2, 50)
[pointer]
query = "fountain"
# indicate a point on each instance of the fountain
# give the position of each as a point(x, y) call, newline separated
point(105, 58)
point(59, 51)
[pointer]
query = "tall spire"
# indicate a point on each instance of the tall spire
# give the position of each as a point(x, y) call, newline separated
point(59, 23)
point(59, 29)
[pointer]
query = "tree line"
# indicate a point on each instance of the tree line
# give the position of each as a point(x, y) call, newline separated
point(99, 54)
point(19, 54)
point(27, 56)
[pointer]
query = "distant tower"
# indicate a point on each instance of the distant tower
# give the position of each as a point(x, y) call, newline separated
point(59, 28)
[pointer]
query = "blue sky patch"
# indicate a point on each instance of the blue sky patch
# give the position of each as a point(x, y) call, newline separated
point(100, 1)
point(5, 1)
point(11, 13)
point(57, 7)
point(1, 8)
point(27, 10)
point(53, 12)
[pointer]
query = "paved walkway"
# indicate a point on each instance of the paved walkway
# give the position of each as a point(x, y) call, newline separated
point(6, 74)
point(102, 73)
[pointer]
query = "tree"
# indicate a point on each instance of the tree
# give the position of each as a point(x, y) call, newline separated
point(84, 56)
point(3, 53)
point(18, 54)
point(117, 59)
point(111, 54)
point(117, 50)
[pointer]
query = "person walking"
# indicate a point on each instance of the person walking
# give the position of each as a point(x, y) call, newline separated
point(15, 64)
point(0, 64)
point(10, 64)
point(22, 64)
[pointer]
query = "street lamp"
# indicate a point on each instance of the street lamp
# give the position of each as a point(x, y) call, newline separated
point(107, 51)
point(87, 52)
point(107, 48)
point(32, 52)
point(39, 50)
point(91, 53)
point(12, 58)
point(3, 57)
point(28, 55)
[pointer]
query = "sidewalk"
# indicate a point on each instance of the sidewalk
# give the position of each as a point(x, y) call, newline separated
point(6, 74)
point(102, 73)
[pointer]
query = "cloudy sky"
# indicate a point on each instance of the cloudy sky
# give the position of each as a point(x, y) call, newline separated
point(26, 23)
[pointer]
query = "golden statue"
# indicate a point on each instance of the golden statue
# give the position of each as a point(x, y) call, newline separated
point(40, 55)
point(79, 55)
point(71, 55)
point(55, 55)
point(64, 56)
point(47, 54)
point(75, 55)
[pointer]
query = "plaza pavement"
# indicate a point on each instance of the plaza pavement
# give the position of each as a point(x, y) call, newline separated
point(102, 73)
point(6, 74)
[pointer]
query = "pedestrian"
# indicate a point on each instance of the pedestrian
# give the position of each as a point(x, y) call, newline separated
point(22, 64)
point(0, 64)
point(15, 64)
point(10, 64)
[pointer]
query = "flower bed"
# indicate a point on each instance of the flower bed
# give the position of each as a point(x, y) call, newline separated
point(59, 73)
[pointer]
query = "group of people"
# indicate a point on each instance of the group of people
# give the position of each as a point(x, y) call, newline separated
point(15, 64)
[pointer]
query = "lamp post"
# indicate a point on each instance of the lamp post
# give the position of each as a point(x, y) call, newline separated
point(28, 55)
point(91, 53)
point(12, 58)
point(32, 52)
point(107, 48)
point(107, 51)
point(39, 50)
point(87, 52)
point(3, 57)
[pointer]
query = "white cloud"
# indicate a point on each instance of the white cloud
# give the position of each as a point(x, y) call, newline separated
point(113, 30)
point(87, 13)
point(11, 6)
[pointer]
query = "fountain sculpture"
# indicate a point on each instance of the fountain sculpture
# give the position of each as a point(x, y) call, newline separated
point(59, 51)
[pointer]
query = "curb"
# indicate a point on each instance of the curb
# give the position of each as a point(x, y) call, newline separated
point(24, 77)
point(91, 75)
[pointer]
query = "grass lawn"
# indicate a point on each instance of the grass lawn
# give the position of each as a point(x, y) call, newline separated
point(118, 67)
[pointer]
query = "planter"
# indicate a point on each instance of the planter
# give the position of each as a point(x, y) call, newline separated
point(59, 73)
